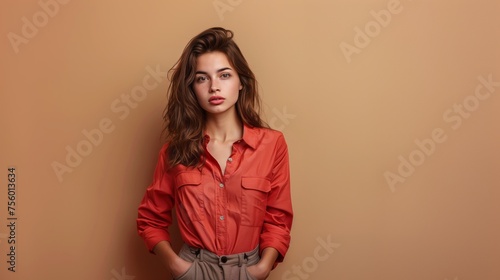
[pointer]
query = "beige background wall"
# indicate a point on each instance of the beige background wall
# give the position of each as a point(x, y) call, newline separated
point(353, 96)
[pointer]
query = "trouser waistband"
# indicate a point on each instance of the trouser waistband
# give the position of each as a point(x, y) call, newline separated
point(234, 259)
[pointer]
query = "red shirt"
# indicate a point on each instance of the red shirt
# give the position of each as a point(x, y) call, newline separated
point(248, 205)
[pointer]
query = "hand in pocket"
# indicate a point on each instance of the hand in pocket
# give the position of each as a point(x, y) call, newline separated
point(179, 267)
point(256, 272)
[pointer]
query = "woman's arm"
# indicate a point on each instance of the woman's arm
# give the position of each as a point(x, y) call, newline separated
point(155, 216)
point(262, 269)
point(170, 259)
point(275, 236)
point(279, 213)
point(155, 210)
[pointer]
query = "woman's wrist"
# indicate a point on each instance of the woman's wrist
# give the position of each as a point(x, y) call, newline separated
point(164, 250)
point(175, 264)
point(268, 258)
point(264, 267)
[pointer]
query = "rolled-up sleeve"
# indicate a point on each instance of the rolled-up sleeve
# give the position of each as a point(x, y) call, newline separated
point(155, 210)
point(279, 213)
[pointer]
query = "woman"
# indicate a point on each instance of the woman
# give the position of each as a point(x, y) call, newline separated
point(225, 173)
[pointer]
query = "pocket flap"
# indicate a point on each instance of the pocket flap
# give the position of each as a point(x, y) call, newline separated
point(188, 178)
point(255, 183)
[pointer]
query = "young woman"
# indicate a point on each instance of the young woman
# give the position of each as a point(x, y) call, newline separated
point(223, 171)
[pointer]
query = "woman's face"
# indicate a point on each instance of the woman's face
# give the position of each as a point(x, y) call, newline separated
point(216, 84)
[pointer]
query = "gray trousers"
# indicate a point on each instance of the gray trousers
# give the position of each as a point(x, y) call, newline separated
point(208, 266)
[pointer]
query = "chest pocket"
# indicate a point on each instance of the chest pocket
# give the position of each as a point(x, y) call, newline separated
point(190, 196)
point(254, 192)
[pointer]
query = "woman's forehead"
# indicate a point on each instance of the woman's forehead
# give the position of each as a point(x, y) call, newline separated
point(212, 61)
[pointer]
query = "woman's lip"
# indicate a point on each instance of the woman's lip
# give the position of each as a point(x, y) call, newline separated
point(216, 101)
point(215, 97)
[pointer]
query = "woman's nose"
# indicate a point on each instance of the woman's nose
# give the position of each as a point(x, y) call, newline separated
point(214, 86)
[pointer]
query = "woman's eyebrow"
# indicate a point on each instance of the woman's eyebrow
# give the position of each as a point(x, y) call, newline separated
point(218, 71)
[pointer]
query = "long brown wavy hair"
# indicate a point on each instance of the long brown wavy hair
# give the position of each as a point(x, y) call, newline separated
point(183, 116)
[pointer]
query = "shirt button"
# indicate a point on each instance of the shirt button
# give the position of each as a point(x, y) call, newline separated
point(221, 185)
point(221, 218)
point(230, 159)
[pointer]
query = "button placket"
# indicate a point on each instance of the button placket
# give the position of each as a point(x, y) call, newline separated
point(221, 225)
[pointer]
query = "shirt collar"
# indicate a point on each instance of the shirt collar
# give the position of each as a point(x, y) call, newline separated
point(250, 136)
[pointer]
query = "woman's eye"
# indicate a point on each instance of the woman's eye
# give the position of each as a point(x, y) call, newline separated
point(225, 75)
point(201, 79)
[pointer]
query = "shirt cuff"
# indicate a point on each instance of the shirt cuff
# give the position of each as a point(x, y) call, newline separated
point(153, 236)
point(280, 245)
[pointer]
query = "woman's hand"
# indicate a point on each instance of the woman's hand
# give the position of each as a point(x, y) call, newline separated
point(178, 266)
point(170, 259)
point(259, 271)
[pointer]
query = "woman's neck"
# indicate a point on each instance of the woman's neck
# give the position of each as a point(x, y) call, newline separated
point(224, 128)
